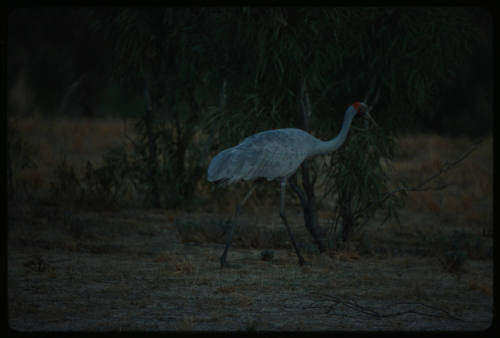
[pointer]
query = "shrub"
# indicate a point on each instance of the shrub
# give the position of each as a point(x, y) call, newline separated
point(19, 157)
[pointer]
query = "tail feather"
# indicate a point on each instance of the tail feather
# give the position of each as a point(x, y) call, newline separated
point(228, 166)
point(222, 183)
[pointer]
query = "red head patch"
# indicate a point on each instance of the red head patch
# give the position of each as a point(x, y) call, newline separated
point(357, 106)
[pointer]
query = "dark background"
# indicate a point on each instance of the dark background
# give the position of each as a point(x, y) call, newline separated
point(55, 49)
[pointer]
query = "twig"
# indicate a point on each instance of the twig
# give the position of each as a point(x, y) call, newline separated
point(370, 90)
point(132, 141)
point(447, 166)
point(305, 104)
point(369, 93)
point(299, 192)
point(447, 314)
point(372, 313)
point(420, 187)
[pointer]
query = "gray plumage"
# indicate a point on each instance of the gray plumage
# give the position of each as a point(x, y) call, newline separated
point(274, 154)
point(270, 154)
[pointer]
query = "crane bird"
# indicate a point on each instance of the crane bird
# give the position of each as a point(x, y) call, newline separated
point(275, 154)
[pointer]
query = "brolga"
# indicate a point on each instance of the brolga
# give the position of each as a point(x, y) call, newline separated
point(275, 154)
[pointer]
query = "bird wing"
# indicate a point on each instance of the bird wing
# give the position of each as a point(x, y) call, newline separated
point(270, 154)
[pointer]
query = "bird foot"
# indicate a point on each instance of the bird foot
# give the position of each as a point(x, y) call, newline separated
point(227, 265)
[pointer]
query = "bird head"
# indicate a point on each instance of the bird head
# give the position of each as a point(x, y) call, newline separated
point(362, 110)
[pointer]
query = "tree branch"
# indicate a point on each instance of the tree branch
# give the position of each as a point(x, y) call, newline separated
point(305, 103)
point(432, 311)
point(420, 186)
point(299, 193)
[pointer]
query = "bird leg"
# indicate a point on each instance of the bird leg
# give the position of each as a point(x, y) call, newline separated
point(230, 234)
point(283, 217)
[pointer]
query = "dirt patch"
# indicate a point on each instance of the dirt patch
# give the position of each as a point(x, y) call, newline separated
point(134, 270)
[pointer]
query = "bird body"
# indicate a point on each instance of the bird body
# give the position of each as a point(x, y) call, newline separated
point(273, 154)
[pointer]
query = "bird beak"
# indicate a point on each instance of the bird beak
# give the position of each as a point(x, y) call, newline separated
point(368, 117)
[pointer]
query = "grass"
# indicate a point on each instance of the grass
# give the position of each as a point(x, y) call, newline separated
point(467, 200)
point(76, 140)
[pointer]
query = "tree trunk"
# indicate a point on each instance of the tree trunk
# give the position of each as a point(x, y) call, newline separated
point(179, 166)
point(310, 212)
point(309, 201)
point(151, 143)
point(346, 215)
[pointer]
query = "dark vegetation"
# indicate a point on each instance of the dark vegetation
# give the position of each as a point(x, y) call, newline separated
point(186, 83)
point(207, 77)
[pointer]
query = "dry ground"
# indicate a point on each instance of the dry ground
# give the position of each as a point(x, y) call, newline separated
point(131, 270)
point(149, 270)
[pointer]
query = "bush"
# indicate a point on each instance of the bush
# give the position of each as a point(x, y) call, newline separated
point(65, 186)
point(98, 188)
point(19, 157)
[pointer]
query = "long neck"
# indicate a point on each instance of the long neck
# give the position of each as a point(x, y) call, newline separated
point(323, 147)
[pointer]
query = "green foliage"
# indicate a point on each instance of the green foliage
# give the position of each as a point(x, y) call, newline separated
point(410, 53)
point(417, 52)
point(356, 180)
point(176, 169)
point(240, 70)
point(165, 54)
point(211, 76)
